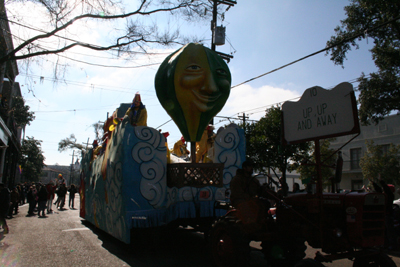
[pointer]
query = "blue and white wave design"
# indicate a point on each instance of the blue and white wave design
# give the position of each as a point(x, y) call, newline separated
point(136, 183)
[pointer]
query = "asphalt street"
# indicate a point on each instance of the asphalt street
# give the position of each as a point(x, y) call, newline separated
point(59, 239)
point(64, 239)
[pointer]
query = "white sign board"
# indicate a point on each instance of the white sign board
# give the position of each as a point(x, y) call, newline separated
point(321, 113)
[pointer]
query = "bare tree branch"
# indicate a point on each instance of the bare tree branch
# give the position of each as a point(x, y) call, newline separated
point(141, 10)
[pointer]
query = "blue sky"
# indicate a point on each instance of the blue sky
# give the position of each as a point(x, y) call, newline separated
point(261, 35)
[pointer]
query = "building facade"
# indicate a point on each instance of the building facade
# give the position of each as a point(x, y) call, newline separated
point(10, 134)
point(386, 132)
point(70, 173)
point(50, 173)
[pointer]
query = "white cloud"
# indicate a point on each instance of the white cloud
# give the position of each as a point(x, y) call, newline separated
point(254, 101)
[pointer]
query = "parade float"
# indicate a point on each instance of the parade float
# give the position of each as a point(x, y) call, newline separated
point(129, 184)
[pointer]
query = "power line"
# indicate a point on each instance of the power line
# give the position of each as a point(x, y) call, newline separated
point(82, 84)
point(88, 55)
point(73, 110)
point(164, 123)
point(278, 103)
point(69, 39)
point(64, 122)
point(93, 64)
point(320, 51)
point(108, 66)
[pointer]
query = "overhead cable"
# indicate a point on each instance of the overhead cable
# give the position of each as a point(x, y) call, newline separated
point(320, 51)
point(72, 40)
point(278, 103)
point(107, 66)
point(94, 64)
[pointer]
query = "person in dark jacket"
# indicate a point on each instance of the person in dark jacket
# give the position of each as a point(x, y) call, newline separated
point(30, 198)
point(72, 191)
point(14, 202)
point(42, 199)
point(62, 191)
point(20, 193)
point(4, 206)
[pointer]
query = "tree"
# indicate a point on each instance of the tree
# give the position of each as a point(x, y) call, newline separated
point(98, 130)
point(377, 161)
point(70, 143)
point(380, 21)
point(308, 170)
point(21, 112)
point(140, 32)
point(264, 145)
point(32, 159)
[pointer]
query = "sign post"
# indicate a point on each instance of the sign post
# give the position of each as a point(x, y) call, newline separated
point(320, 114)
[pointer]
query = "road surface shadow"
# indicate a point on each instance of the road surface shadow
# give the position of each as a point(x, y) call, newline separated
point(165, 248)
point(158, 247)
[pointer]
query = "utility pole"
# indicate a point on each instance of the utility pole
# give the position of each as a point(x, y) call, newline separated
point(227, 57)
point(72, 165)
point(213, 24)
point(230, 3)
point(243, 117)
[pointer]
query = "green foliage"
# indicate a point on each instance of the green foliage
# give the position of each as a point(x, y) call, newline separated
point(264, 144)
point(380, 93)
point(375, 162)
point(32, 159)
point(70, 143)
point(309, 169)
point(21, 112)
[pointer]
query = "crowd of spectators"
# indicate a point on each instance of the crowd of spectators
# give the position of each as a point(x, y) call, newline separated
point(38, 196)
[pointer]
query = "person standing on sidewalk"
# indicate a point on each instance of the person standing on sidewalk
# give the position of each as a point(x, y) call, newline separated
point(62, 191)
point(61, 179)
point(4, 206)
point(14, 202)
point(25, 188)
point(20, 192)
point(42, 199)
point(35, 196)
point(51, 188)
point(72, 191)
point(30, 198)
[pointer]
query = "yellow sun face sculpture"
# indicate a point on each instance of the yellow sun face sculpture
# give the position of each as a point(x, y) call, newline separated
point(193, 85)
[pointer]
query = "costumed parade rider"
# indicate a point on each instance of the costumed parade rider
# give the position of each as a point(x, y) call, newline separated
point(137, 112)
point(205, 148)
point(180, 149)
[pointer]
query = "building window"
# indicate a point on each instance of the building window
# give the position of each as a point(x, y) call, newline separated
point(384, 149)
point(355, 156)
point(356, 184)
point(382, 128)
